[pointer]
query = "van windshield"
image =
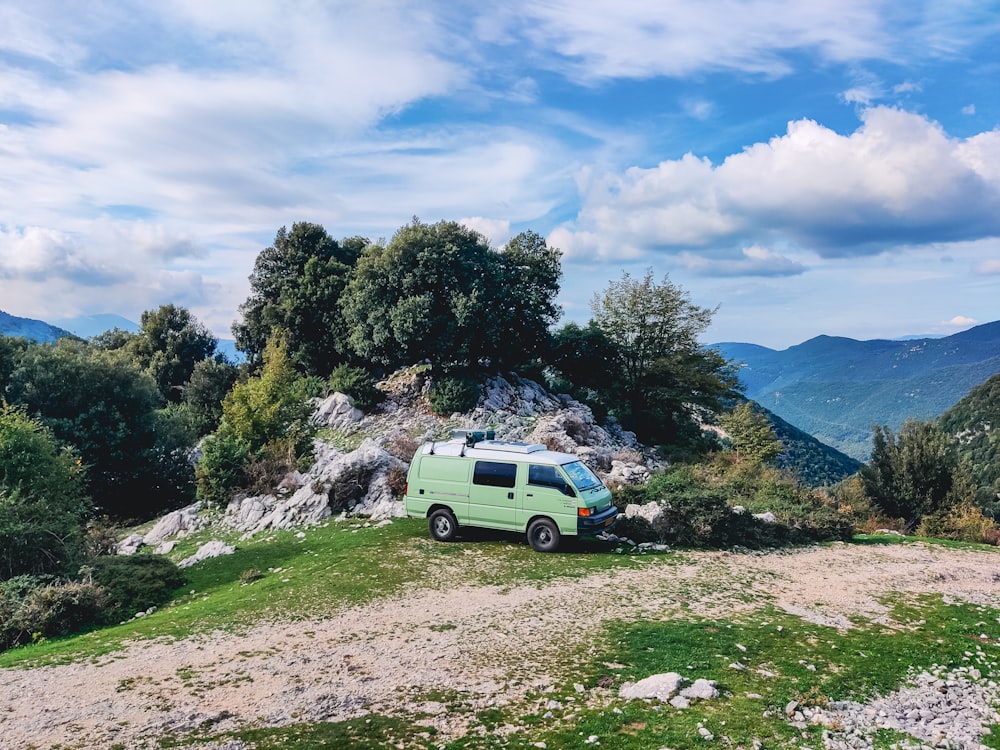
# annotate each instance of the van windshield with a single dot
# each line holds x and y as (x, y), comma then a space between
(581, 475)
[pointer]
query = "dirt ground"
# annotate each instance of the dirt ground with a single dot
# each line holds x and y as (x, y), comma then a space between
(388, 656)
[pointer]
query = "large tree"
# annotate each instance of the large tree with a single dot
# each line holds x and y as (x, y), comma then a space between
(439, 292)
(911, 475)
(102, 404)
(170, 342)
(296, 286)
(663, 375)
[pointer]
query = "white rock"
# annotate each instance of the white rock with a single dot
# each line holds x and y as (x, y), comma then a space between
(701, 689)
(214, 548)
(659, 686)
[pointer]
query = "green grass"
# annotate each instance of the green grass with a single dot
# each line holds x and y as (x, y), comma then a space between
(800, 661)
(278, 575)
(343, 564)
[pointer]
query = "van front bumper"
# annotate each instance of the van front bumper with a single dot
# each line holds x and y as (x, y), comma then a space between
(595, 524)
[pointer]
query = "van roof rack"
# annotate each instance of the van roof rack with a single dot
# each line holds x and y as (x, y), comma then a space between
(513, 447)
(471, 437)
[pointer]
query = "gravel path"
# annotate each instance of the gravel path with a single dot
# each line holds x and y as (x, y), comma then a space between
(385, 656)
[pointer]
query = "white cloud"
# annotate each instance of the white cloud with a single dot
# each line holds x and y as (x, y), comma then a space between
(860, 95)
(898, 179)
(960, 321)
(497, 231)
(633, 38)
(969, 109)
(756, 261)
(989, 267)
(907, 87)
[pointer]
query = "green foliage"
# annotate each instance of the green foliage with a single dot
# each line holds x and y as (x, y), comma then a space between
(42, 499)
(99, 402)
(223, 466)
(169, 345)
(910, 476)
(973, 424)
(32, 608)
(438, 292)
(357, 383)
(814, 463)
(452, 394)
(751, 433)
(265, 428)
(296, 287)
(135, 583)
(641, 357)
(211, 380)
(698, 501)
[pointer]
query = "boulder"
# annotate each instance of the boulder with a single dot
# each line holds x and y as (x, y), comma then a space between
(215, 548)
(337, 411)
(660, 686)
(702, 689)
(649, 511)
(177, 523)
(129, 545)
(356, 482)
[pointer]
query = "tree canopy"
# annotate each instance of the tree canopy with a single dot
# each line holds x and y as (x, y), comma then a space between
(439, 292)
(651, 370)
(296, 287)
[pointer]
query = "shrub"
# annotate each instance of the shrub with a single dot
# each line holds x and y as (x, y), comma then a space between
(135, 582)
(222, 468)
(452, 394)
(33, 607)
(401, 445)
(396, 479)
(963, 522)
(356, 383)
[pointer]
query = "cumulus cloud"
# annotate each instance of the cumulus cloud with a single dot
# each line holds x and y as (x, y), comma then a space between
(497, 231)
(897, 179)
(960, 321)
(37, 254)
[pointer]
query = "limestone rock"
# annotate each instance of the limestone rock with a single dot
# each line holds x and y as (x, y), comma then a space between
(129, 545)
(215, 548)
(702, 689)
(337, 411)
(178, 523)
(649, 511)
(660, 686)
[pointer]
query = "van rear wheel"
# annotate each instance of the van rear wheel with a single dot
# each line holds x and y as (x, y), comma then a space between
(543, 535)
(443, 525)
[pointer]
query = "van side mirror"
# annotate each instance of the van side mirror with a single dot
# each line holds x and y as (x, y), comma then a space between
(567, 490)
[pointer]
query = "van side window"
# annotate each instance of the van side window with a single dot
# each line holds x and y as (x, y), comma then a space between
(545, 476)
(494, 474)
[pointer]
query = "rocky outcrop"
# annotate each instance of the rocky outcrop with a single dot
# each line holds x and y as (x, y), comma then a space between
(368, 479)
(355, 482)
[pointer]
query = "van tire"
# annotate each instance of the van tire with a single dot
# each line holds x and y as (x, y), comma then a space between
(543, 535)
(443, 525)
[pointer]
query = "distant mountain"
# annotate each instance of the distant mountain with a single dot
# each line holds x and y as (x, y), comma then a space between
(88, 326)
(35, 330)
(837, 388)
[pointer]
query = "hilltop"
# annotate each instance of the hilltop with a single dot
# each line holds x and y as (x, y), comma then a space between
(28, 328)
(836, 388)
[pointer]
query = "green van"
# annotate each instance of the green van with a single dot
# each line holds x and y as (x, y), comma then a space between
(492, 484)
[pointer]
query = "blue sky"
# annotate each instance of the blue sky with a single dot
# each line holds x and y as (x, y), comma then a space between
(821, 167)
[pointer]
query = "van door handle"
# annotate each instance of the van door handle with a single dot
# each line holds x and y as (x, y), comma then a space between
(510, 495)
(528, 494)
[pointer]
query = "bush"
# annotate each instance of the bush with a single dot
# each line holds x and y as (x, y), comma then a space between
(453, 394)
(396, 479)
(34, 607)
(135, 583)
(963, 522)
(222, 468)
(356, 383)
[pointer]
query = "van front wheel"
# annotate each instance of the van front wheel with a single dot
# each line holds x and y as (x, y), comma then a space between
(543, 535)
(443, 525)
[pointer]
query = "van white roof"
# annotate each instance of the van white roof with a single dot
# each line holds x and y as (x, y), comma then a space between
(500, 450)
